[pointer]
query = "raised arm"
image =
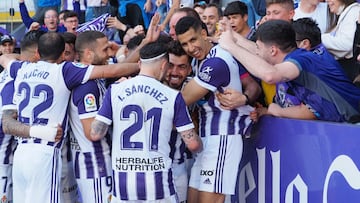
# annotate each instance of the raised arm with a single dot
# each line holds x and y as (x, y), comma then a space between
(27, 20)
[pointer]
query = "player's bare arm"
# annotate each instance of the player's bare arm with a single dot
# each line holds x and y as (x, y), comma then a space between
(98, 130)
(12, 126)
(192, 140)
(114, 70)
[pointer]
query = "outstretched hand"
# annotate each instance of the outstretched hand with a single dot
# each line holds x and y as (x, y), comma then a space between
(153, 32)
(226, 39)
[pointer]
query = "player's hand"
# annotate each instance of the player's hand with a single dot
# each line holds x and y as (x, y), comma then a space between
(231, 99)
(258, 112)
(52, 133)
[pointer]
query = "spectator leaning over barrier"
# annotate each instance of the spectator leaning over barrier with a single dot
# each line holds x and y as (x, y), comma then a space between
(307, 87)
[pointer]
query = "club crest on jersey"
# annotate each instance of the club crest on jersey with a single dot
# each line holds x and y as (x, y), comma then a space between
(90, 103)
(205, 73)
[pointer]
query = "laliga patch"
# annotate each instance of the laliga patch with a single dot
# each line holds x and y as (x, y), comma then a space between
(90, 103)
(79, 65)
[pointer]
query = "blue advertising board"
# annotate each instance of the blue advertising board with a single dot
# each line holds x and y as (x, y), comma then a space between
(287, 160)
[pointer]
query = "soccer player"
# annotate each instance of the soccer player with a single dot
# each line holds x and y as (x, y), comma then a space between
(143, 112)
(42, 92)
(91, 160)
(212, 175)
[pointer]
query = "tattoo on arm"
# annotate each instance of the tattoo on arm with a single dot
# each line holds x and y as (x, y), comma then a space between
(98, 130)
(12, 126)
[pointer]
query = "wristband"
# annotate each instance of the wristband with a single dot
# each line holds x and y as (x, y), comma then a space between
(43, 132)
(247, 99)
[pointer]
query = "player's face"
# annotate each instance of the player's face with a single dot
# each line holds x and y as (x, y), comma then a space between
(210, 18)
(51, 19)
(69, 52)
(179, 69)
(172, 23)
(7, 48)
(101, 56)
(194, 43)
(238, 23)
(279, 12)
(71, 24)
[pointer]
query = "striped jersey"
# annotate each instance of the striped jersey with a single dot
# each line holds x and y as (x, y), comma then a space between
(91, 159)
(42, 92)
(143, 112)
(218, 71)
(7, 142)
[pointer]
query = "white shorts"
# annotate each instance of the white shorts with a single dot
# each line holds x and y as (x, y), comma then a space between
(6, 190)
(69, 187)
(95, 190)
(216, 167)
(181, 180)
(36, 173)
(171, 199)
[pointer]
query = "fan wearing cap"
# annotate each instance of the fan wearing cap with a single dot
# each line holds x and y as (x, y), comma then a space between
(7, 44)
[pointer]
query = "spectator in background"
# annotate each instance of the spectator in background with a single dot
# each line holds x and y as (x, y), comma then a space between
(340, 38)
(199, 7)
(95, 8)
(71, 21)
(180, 13)
(211, 16)
(279, 9)
(237, 13)
(316, 10)
(7, 44)
(69, 52)
(307, 86)
(42, 6)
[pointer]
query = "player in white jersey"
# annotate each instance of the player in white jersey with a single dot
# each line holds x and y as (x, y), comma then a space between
(91, 160)
(212, 175)
(143, 112)
(42, 92)
(7, 146)
(177, 75)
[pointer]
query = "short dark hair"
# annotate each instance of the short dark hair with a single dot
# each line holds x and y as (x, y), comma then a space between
(51, 45)
(70, 14)
(307, 28)
(154, 49)
(87, 39)
(218, 8)
(277, 32)
(31, 39)
(189, 12)
(236, 7)
(174, 47)
(70, 38)
(187, 22)
(135, 41)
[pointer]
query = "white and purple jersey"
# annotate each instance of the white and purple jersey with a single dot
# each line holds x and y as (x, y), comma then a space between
(143, 112)
(91, 159)
(42, 92)
(218, 71)
(7, 143)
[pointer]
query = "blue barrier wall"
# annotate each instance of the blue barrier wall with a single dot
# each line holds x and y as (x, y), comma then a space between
(288, 160)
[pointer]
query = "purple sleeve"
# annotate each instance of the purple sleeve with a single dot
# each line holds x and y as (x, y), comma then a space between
(74, 74)
(14, 67)
(7, 93)
(182, 116)
(106, 107)
(215, 72)
(86, 97)
(27, 20)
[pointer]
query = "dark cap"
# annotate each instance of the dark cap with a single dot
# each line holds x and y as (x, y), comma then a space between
(236, 7)
(6, 38)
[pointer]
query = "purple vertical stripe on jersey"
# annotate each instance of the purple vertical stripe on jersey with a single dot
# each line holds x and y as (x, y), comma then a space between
(2, 135)
(231, 123)
(215, 125)
(37, 140)
(202, 121)
(141, 186)
(172, 143)
(54, 183)
(159, 186)
(242, 124)
(122, 186)
(182, 148)
(171, 182)
(88, 161)
(100, 159)
(9, 150)
(76, 165)
(113, 183)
